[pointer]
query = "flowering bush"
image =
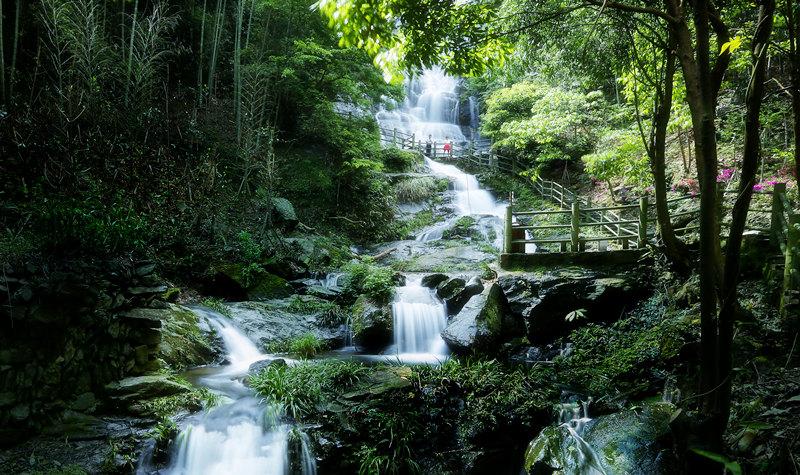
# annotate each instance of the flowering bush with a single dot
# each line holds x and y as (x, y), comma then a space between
(687, 185)
(725, 175)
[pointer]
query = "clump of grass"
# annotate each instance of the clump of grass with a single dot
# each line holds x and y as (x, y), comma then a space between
(304, 346)
(299, 389)
(417, 190)
(216, 305)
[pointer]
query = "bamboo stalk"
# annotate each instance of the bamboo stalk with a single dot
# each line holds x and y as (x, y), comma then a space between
(237, 71)
(130, 48)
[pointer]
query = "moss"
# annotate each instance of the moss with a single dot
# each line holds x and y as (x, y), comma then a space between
(182, 343)
(171, 294)
(269, 286)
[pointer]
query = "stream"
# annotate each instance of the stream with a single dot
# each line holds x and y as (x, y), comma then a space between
(245, 436)
(241, 436)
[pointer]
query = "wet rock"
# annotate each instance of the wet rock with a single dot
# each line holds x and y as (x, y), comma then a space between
(371, 324)
(483, 324)
(457, 301)
(279, 320)
(449, 288)
(545, 300)
(380, 382)
(140, 388)
(433, 280)
(633, 442)
(260, 366)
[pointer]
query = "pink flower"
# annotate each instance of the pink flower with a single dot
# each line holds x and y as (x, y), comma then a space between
(758, 187)
(725, 175)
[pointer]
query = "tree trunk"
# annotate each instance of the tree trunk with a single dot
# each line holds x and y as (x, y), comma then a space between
(792, 26)
(673, 247)
(750, 161)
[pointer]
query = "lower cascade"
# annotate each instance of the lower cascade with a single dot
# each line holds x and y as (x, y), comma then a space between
(243, 436)
(418, 319)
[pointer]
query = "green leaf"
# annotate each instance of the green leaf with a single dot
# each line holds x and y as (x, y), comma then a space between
(730, 465)
(731, 45)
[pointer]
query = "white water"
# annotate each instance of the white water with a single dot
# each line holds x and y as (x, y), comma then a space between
(574, 418)
(243, 436)
(429, 110)
(418, 319)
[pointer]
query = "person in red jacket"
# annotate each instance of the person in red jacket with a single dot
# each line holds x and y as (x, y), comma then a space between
(448, 147)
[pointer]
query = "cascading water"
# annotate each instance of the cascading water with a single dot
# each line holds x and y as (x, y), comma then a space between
(431, 110)
(574, 418)
(243, 436)
(418, 319)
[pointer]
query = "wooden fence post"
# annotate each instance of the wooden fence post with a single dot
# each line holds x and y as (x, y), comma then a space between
(508, 229)
(642, 221)
(575, 226)
(394, 137)
(790, 297)
(778, 195)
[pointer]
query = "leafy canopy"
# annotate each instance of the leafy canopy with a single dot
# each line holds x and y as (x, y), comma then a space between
(543, 122)
(462, 37)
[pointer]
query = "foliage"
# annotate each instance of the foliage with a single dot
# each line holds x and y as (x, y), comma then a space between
(542, 122)
(396, 160)
(400, 35)
(363, 277)
(620, 156)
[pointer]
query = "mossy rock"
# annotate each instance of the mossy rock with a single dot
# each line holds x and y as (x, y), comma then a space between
(256, 284)
(632, 441)
(183, 343)
(371, 324)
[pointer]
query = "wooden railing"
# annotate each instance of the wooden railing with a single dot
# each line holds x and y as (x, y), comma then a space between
(475, 152)
(628, 226)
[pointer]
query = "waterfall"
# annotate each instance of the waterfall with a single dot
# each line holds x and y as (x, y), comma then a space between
(418, 319)
(574, 418)
(243, 436)
(430, 108)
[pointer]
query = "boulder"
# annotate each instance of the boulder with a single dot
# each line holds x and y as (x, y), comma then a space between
(283, 214)
(371, 324)
(545, 300)
(433, 280)
(456, 302)
(483, 324)
(139, 388)
(278, 320)
(633, 442)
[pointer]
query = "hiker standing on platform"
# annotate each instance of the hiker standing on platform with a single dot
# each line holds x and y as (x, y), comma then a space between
(428, 145)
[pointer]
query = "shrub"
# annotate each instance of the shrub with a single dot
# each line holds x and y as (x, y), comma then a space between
(397, 160)
(376, 282)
